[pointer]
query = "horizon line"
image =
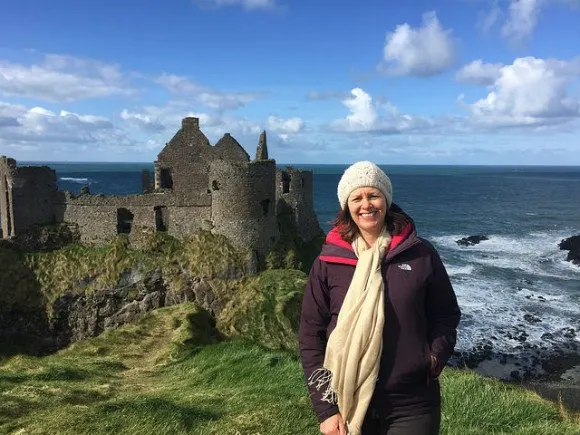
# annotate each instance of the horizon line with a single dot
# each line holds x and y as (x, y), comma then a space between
(319, 164)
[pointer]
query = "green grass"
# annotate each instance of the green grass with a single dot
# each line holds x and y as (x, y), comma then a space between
(37, 279)
(169, 374)
(266, 309)
(30, 280)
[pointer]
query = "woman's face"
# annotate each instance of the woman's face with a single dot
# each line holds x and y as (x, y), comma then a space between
(368, 209)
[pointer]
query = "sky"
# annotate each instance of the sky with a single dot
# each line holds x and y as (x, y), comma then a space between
(485, 82)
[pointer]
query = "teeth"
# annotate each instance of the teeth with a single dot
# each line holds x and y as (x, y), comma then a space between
(368, 214)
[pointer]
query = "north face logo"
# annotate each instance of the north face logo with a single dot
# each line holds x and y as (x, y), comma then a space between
(405, 266)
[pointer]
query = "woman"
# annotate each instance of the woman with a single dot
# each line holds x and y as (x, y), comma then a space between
(379, 317)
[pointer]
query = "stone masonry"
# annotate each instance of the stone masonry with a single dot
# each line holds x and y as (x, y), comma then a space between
(196, 186)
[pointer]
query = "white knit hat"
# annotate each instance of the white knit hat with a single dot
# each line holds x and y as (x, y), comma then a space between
(364, 174)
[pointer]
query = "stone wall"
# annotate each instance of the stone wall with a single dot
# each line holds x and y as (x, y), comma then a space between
(98, 216)
(96, 224)
(33, 191)
(243, 204)
(294, 189)
(185, 221)
(7, 167)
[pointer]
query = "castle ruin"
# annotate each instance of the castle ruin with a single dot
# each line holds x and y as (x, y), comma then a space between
(196, 186)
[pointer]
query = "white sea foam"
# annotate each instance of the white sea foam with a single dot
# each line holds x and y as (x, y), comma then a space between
(535, 253)
(495, 307)
(536, 296)
(75, 180)
(567, 266)
(454, 270)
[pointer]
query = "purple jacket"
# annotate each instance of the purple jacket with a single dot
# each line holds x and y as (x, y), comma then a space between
(421, 318)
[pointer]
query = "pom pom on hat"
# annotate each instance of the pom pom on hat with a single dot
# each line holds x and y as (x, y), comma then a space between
(364, 174)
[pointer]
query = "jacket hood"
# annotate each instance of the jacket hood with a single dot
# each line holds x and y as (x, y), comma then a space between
(338, 250)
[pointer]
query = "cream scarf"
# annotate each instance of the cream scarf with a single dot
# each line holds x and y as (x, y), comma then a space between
(353, 351)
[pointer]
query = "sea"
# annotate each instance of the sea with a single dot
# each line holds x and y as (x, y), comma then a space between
(520, 298)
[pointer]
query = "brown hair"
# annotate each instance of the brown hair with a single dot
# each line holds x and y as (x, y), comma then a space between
(395, 220)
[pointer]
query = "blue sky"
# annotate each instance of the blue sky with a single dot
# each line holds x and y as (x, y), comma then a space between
(439, 82)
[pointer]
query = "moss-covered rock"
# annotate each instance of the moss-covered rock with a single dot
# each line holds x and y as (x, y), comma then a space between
(47, 237)
(291, 252)
(83, 290)
(266, 309)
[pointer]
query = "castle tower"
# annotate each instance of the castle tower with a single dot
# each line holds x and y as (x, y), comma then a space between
(182, 166)
(26, 196)
(262, 151)
(228, 148)
(294, 191)
(7, 167)
(244, 203)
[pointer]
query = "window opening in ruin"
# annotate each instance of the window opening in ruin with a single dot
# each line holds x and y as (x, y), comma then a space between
(161, 218)
(215, 185)
(265, 206)
(124, 221)
(302, 183)
(166, 178)
(285, 182)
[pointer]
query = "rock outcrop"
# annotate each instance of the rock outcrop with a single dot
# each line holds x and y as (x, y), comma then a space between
(471, 240)
(78, 314)
(572, 245)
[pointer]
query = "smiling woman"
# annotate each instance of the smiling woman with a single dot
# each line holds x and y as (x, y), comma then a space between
(379, 317)
(368, 208)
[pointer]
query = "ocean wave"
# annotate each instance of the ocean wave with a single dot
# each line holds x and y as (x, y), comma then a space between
(455, 270)
(76, 180)
(537, 296)
(496, 309)
(536, 253)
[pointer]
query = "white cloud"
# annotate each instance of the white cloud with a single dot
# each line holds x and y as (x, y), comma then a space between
(142, 121)
(285, 126)
(530, 92)
(522, 20)
(422, 52)
(246, 4)
(62, 79)
(166, 120)
(183, 87)
(363, 112)
(39, 130)
(38, 124)
(325, 95)
(479, 73)
(366, 116)
(489, 19)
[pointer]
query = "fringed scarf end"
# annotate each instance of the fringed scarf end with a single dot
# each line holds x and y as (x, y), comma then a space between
(321, 378)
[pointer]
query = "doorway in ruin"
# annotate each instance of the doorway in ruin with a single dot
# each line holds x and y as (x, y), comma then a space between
(124, 221)
(285, 182)
(161, 218)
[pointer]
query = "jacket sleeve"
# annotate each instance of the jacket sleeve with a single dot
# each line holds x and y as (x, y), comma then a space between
(314, 320)
(443, 314)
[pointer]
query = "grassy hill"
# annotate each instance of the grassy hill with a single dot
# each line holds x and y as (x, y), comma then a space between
(170, 373)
